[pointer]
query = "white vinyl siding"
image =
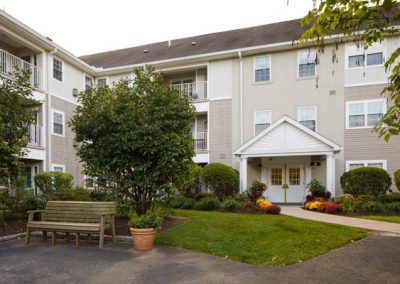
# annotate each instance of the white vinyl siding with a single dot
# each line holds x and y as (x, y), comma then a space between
(351, 165)
(58, 123)
(262, 119)
(307, 62)
(57, 69)
(307, 116)
(262, 69)
(364, 114)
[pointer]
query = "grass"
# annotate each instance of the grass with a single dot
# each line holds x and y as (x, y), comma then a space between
(257, 239)
(391, 219)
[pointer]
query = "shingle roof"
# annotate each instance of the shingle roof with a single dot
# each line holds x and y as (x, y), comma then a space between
(214, 42)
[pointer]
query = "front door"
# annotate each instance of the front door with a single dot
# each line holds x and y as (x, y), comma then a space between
(285, 183)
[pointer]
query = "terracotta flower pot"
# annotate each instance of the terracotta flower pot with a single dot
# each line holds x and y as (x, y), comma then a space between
(143, 239)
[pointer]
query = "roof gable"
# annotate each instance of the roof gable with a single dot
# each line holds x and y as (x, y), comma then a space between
(287, 136)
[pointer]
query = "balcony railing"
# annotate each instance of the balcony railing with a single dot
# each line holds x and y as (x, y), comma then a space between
(200, 141)
(35, 135)
(196, 91)
(9, 64)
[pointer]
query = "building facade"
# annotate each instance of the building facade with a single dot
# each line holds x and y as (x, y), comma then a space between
(264, 106)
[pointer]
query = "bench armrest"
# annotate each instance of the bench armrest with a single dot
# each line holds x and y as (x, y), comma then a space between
(35, 211)
(32, 212)
(107, 214)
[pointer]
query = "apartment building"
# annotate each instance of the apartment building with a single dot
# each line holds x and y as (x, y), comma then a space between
(263, 105)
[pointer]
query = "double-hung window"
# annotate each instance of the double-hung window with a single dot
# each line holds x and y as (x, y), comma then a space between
(364, 114)
(262, 69)
(358, 57)
(57, 69)
(58, 168)
(262, 119)
(307, 116)
(351, 165)
(102, 82)
(307, 61)
(58, 123)
(88, 83)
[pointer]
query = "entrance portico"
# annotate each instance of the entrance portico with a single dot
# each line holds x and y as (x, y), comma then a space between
(286, 156)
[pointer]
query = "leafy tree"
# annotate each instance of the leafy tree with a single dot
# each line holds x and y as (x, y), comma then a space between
(137, 134)
(367, 22)
(16, 116)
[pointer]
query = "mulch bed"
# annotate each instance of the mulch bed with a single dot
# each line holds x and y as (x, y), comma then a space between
(12, 227)
(363, 213)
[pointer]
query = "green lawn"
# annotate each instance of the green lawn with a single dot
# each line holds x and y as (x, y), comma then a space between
(391, 219)
(257, 239)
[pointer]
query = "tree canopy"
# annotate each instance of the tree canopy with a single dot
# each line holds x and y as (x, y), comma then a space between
(137, 134)
(16, 115)
(365, 22)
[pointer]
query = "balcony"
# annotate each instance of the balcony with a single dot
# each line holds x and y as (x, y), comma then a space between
(10, 63)
(196, 91)
(35, 136)
(200, 141)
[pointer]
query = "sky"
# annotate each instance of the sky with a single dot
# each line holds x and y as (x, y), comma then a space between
(91, 26)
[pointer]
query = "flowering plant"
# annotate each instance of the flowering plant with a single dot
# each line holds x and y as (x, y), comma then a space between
(262, 203)
(256, 190)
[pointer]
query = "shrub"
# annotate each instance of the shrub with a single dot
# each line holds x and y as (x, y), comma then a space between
(395, 206)
(53, 181)
(321, 206)
(181, 202)
(123, 206)
(316, 188)
(396, 176)
(230, 204)
(343, 197)
(272, 209)
(201, 195)
(333, 208)
(346, 200)
(371, 206)
(190, 185)
(389, 198)
(221, 179)
(366, 180)
(207, 203)
(75, 194)
(262, 203)
(101, 194)
(256, 190)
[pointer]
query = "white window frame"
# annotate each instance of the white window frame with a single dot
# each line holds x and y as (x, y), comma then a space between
(366, 162)
(84, 81)
(315, 112)
(365, 102)
(62, 70)
(101, 78)
(375, 48)
(52, 122)
(53, 166)
(298, 64)
(254, 119)
(254, 69)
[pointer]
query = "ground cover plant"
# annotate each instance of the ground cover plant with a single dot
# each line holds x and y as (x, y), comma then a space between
(257, 239)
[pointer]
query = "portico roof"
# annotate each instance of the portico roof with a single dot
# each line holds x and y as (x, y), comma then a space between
(287, 137)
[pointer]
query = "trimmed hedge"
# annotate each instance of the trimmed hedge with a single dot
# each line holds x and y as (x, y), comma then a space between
(366, 181)
(390, 198)
(396, 176)
(221, 179)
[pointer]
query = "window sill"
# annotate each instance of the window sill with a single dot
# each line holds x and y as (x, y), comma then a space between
(306, 78)
(59, 135)
(262, 83)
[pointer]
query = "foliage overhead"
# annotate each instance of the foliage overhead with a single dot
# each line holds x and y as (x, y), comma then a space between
(137, 134)
(16, 115)
(365, 22)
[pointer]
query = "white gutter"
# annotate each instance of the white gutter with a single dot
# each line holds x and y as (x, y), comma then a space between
(49, 119)
(241, 96)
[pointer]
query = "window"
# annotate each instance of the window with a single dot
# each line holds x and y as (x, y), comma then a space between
(364, 114)
(358, 57)
(102, 82)
(294, 176)
(58, 168)
(307, 116)
(262, 68)
(307, 63)
(88, 83)
(351, 165)
(262, 119)
(58, 123)
(57, 69)
(276, 176)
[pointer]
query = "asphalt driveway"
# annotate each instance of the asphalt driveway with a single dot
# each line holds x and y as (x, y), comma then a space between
(374, 259)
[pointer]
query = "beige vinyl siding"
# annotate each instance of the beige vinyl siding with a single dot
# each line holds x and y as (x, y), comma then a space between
(220, 77)
(220, 131)
(62, 150)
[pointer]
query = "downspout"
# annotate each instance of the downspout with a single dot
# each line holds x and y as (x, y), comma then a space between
(49, 109)
(241, 96)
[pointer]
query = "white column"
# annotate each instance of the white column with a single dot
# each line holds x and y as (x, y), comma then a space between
(330, 174)
(243, 174)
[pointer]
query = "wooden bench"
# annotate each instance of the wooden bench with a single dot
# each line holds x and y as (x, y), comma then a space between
(77, 217)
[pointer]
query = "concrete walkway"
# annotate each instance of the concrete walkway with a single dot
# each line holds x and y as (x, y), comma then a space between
(298, 212)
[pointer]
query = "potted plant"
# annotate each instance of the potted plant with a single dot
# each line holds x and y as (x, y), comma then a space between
(143, 230)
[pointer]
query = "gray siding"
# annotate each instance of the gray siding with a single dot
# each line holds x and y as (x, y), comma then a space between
(220, 131)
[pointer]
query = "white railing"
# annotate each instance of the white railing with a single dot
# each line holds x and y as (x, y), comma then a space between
(35, 135)
(196, 91)
(9, 63)
(200, 141)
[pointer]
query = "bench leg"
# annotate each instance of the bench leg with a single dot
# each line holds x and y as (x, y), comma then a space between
(44, 234)
(66, 236)
(113, 229)
(101, 240)
(28, 236)
(54, 238)
(89, 237)
(77, 239)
